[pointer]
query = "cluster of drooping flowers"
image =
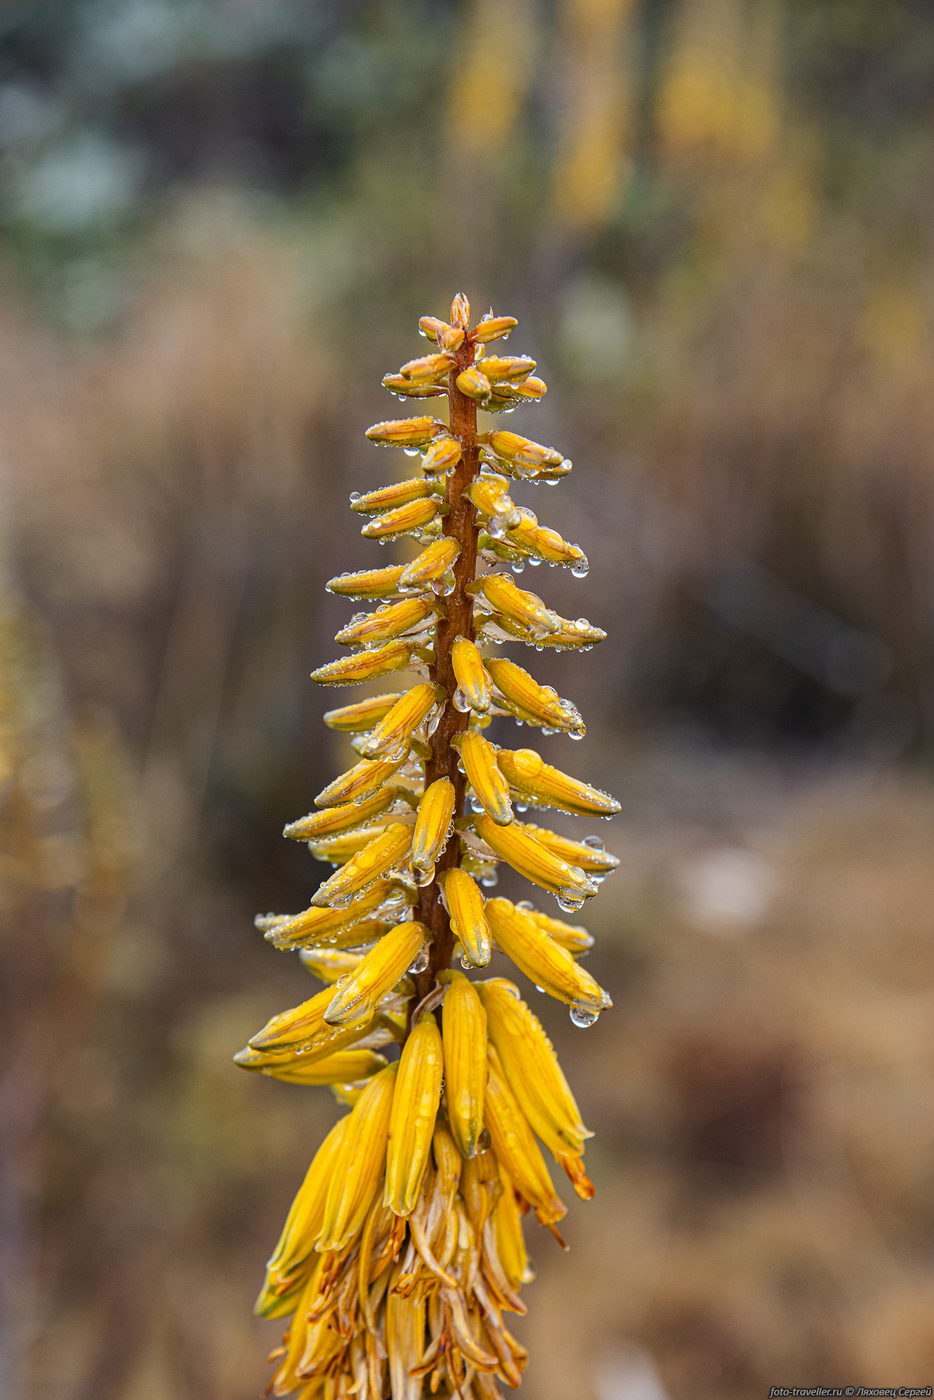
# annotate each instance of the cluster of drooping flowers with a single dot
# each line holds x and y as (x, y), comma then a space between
(404, 1246)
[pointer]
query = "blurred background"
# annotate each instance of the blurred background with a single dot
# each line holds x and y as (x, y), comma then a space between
(219, 222)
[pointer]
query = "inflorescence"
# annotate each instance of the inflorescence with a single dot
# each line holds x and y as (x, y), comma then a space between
(404, 1246)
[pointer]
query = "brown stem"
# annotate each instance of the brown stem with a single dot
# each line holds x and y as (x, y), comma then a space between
(459, 524)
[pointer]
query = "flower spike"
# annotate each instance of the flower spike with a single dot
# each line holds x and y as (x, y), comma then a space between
(404, 1247)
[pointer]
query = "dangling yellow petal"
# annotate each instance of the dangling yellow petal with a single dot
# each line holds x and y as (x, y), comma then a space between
(433, 562)
(357, 1170)
(531, 1067)
(358, 782)
(327, 926)
(463, 1025)
(344, 1067)
(592, 857)
(515, 1147)
(406, 432)
(492, 328)
(401, 521)
(414, 1108)
(527, 609)
(362, 715)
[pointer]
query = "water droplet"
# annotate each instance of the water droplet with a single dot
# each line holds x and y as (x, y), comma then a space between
(466, 964)
(583, 1016)
(570, 901)
(421, 962)
(594, 842)
(534, 563)
(489, 879)
(355, 495)
(460, 701)
(411, 451)
(538, 988)
(525, 905)
(581, 569)
(576, 733)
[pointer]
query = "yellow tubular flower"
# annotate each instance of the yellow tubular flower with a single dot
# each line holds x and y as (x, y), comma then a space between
(345, 1067)
(357, 1169)
(592, 858)
(358, 782)
(378, 973)
(368, 583)
(401, 521)
(414, 1108)
(325, 926)
(530, 776)
(515, 1147)
(333, 821)
(351, 670)
(472, 679)
(490, 787)
(538, 701)
(398, 494)
(387, 622)
(531, 859)
(403, 1249)
(391, 736)
(432, 825)
(463, 1025)
(430, 565)
(530, 1065)
(571, 936)
(542, 960)
(465, 910)
(362, 715)
(527, 609)
(380, 855)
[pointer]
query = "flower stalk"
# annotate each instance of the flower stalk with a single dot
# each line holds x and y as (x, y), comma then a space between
(404, 1247)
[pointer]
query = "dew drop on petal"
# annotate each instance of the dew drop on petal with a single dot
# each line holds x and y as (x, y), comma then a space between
(583, 1016)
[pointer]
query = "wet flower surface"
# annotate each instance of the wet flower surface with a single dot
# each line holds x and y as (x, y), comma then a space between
(404, 1249)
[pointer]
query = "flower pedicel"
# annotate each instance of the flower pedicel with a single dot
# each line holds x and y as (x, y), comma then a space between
(403, 1250)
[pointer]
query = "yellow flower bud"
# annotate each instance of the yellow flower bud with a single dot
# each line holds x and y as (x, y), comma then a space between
(346, 816)
(367, 666)
(316, 926)
(539, 702)
(471, 677)
(474, 384)
(362, 714)
(428, 367)
(547, 545)
(412, 388)
(406, 432)
(463, 1025)
(305, 1026)
(344, 1067)
(414, 1108)
(533, 860)
(387, 622)
(444, 453)
(368, 583)
(526, 608)
(391, 737)
(303, 1224)
(498, 368)
(460, 312)
(570, 936)
(531, 777)
(432, 824)
(359, 782)
(592, 859)
(543, 960)
(398, 494)
(488, 493)
(403, 520)
(431, 564)
(493, 328)
(490, 787)
(387, 851)
(465, 910)
(521, 451)
(377, 974)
